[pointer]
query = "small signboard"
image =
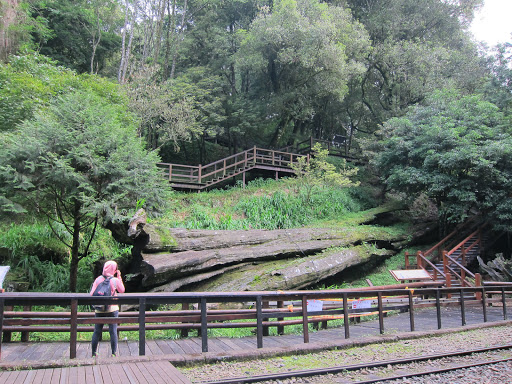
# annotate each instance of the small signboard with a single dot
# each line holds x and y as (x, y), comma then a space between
(410, 274)
(3, 273)
(315, 305)
(356, 304)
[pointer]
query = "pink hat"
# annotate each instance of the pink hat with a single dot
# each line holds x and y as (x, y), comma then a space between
(109, 268)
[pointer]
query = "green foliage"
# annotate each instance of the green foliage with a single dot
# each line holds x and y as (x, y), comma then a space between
(266, 204)
(317, 172)
(41, 261)
(31, 82)
(79, 163)
(456, 150)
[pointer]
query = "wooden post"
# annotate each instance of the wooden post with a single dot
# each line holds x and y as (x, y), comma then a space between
(406, 260)
(462, 307)
(438, 308)
(25, 336)
(184, 331)
(478, 283)
(142, 326)
(448, 284)
(445, 262)
(419, 263)
(73, 329)
(280, 328)
(484, 303)
(2, 306)
(170, 172)
(204, 326)
(381, 313)
(259, 322)
(346, 320)
(265, 304)
(411, 310)
(199, 171)
(305, 327)
(504, 303)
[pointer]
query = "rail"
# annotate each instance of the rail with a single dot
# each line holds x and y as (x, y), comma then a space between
(267, 309)
(204, 175)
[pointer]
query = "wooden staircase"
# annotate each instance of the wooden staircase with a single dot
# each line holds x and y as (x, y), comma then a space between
(204, 176)
(447, 261)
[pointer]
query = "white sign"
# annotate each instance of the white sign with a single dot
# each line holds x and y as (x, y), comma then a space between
(361, 304)
(315, 305)
(3, 272)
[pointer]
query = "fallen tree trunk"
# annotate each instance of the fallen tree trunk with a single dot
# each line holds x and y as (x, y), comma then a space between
(173, 258)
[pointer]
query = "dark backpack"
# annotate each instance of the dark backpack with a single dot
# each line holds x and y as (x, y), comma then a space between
(103, 289)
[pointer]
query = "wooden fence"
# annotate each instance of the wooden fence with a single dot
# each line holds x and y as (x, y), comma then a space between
(265, 309)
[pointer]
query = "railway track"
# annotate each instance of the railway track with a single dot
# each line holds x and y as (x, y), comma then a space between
(381, 364)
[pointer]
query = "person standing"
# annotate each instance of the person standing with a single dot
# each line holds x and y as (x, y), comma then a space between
(116, 285)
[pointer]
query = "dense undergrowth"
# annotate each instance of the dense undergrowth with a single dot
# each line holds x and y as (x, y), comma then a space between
(40, 262)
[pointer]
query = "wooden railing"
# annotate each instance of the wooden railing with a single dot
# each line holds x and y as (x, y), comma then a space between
(451, 265)
(265, 309)
(203, 175)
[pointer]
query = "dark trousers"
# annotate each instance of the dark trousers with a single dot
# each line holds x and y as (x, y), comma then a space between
(112, 329)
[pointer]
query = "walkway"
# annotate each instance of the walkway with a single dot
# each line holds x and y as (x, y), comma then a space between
(55, 354)
(158, 372)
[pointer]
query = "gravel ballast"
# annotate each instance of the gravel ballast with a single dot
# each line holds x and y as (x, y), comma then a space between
(439, 344)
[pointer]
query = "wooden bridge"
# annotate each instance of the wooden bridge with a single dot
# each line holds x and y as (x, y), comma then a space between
(201, 177)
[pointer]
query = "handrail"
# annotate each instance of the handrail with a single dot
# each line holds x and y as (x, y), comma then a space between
(203, 174)
(434, 267)
(203, 318)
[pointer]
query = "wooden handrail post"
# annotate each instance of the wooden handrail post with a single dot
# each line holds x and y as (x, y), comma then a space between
(73, 329)
(254, 155)
(184, 331)
(448, 284)
(199, 170)
(2, 307)
(305, 327)
(142, 326)
(406, 260)
(25, 336)
(204, 326)
(419, 262)
(478, 283)
(280, 328)
(445, 263)
(259, 322)
(224, 169)
(265, 305)
(170, 172)
(381, 313)
(411, 310)
(346, 321)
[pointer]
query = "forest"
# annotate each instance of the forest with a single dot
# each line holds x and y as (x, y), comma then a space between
(93, 94)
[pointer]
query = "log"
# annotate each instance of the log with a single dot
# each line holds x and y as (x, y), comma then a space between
(215, 249)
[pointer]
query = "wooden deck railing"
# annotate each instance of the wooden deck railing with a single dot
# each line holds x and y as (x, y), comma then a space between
(202, 175)
(267, 309)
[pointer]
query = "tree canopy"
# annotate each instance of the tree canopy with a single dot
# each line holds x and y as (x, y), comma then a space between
(455, 149)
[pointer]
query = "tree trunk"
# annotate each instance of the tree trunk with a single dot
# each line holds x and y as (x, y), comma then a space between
(75, 248)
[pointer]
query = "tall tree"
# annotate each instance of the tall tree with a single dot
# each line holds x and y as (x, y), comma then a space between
(298, 52)
(456, 150)
(79, 164)
(418, 46)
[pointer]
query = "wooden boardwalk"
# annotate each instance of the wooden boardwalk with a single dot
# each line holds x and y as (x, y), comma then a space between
(146, 372)
(156, 367)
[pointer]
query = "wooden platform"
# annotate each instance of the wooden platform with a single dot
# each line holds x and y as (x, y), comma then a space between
(148, 372)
